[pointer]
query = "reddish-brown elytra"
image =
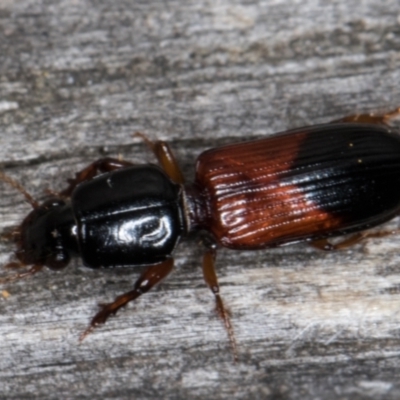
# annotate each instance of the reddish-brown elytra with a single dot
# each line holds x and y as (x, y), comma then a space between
(306, 184)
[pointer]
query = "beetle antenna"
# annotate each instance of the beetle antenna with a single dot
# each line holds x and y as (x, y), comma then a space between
(16, 185)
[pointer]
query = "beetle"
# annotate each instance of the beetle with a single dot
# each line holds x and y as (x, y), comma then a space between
(307, 184)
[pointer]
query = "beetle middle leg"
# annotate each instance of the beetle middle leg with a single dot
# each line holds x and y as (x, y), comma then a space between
(370, 118)
(165, 157)
(211, 279)
(149, 278)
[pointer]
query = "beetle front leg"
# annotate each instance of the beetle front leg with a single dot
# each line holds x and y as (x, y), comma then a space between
(211, 279)
(106, 164)
(370, 118)
(149, 278)
(165, 157)
(21, 275)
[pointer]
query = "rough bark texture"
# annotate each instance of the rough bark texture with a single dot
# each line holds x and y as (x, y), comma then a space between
(77, 78)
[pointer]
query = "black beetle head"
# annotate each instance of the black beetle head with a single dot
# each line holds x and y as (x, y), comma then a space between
(41, 237)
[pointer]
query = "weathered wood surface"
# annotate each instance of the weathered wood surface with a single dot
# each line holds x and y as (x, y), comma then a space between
(77, 77)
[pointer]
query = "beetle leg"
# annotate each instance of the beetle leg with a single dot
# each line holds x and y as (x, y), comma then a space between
(150, 277)
(9, 234)
(324, 244)
(31, 271)
(370, 118)
(99, 166)
(16, 185)
(165, 157)
(212, 281)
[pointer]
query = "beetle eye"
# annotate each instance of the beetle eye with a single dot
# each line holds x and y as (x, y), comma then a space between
(51, 203)
(58, 260)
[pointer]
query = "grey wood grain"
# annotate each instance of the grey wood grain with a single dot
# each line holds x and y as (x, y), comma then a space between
(76, 79)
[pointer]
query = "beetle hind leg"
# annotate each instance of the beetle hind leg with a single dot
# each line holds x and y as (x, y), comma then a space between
(326, 245)
(149, 278)
(371, 118)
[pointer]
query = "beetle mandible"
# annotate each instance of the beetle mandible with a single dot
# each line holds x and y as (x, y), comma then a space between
(306, 184)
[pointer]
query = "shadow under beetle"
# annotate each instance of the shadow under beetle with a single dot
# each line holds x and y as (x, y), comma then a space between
(306, 184)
